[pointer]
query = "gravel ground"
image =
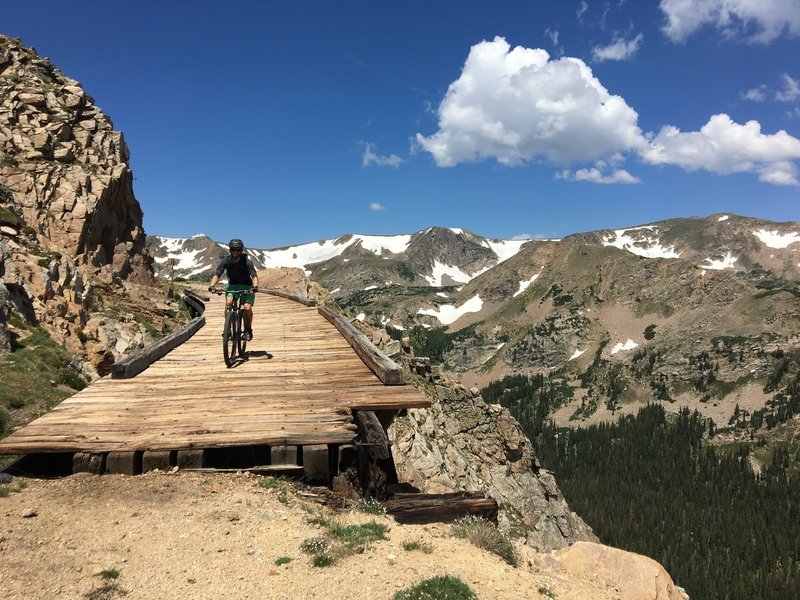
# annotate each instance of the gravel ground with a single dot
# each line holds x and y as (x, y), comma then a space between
(199, 536)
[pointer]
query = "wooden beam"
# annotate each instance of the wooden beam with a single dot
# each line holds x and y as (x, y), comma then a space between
(440, 508)
(136, 362)
(288, 296)
(388, 371)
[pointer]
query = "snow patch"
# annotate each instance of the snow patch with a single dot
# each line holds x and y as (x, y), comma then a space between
(186, 260)
(449, 313)
(505, 249)
(370, 287)
(629, 345)
(523, 285)
(723, 218)
(647, 246)
(775, 239)
(378, 244)
(576, 354)
(442, 295)
(361, 317)
(441, 269)
(727, 262)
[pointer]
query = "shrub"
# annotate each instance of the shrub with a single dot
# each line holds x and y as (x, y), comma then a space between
(315, 545)
(371, 506)
(444, 586)
(486, 536)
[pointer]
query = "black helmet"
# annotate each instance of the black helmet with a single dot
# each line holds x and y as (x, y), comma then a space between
(236, 244)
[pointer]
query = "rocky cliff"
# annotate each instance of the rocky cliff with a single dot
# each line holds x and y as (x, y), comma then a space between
(463, 444)
(71, 236)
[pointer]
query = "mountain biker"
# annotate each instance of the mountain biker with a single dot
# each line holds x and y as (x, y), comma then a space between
(241, 276)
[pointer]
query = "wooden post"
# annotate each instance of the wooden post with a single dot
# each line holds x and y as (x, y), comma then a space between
(375, 464)
(333, 462)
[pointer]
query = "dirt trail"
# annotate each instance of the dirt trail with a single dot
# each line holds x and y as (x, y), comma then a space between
(198, 536)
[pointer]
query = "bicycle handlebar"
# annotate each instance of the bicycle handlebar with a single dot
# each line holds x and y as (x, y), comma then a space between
(220, 292)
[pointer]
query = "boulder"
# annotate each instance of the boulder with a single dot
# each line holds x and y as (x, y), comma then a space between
(636, 577)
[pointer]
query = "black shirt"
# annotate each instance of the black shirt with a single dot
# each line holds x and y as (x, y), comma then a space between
(241, 272)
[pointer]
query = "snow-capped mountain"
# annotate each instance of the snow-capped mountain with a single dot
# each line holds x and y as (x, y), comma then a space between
(434, 257)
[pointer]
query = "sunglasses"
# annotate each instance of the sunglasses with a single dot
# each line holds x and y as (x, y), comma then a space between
(236, 251)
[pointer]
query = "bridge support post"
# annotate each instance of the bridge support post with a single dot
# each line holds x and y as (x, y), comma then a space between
(376, 467)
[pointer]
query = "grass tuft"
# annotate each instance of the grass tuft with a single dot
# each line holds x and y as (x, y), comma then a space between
(486, 536)
(546, 592)
(340, 540)
(108, 574)
(355, 536)
(11, 488)
(415, 545)
(437, 588)
(283, 560)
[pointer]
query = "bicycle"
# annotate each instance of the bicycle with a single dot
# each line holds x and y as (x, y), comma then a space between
(233, 339)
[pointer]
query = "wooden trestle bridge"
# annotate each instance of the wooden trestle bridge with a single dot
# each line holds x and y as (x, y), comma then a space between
(303, 384)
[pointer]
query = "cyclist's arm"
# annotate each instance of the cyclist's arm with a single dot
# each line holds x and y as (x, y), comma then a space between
(223, 264)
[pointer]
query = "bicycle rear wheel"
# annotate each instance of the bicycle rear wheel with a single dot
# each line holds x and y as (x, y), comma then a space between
(240, 334)
(229, 337)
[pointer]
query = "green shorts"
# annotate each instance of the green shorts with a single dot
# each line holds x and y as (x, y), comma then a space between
(245, 298)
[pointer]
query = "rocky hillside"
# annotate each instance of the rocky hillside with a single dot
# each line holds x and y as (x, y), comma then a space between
(696, 312)
(72, 246)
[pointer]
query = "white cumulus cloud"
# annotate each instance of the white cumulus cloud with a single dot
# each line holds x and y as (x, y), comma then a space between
(517, 105)
(619, 49)
(377, 207)
(370, 157)
(723, 146)
(514, 105)
(760, 21)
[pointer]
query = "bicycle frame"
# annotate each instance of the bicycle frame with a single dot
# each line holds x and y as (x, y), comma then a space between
(233, 340)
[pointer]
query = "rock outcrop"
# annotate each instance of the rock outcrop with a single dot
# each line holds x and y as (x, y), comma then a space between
(67, 169)
(463, 444)
(293, 281)
(70, 224)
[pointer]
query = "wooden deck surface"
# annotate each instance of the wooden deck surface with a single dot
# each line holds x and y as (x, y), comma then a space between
(298, 387)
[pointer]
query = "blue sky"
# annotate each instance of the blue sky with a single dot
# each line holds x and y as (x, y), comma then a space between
(287, 122)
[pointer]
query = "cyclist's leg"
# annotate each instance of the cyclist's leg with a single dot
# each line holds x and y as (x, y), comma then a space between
(247, 310)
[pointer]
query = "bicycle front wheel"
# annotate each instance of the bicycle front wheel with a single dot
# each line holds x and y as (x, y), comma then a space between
(229, 338)
(240, 335)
